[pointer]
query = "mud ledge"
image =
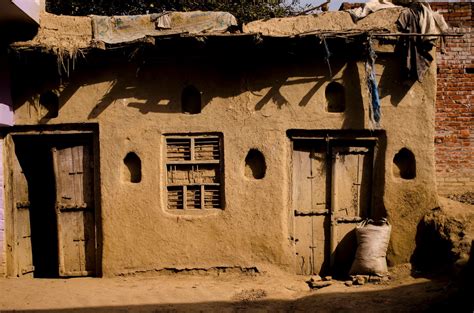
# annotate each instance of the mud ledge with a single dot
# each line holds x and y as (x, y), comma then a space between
(210, 271)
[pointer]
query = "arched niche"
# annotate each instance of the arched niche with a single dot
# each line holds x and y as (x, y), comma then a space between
(255, 165)
(404, 164)
(191, 100)
(132, 168)
(335, 97)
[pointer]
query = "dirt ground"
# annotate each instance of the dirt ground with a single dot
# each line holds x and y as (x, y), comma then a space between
(271, 290)
(228, 293)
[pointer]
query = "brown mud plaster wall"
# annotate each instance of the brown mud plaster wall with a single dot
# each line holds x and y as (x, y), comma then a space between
(251, 103)
(454, 102)
(454, 141)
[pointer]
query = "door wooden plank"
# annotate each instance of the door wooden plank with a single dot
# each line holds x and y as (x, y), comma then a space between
(318, 243)
(352, 187)
(64, 182)
(309, 202)
(318, 199)
(21, 206)
(318, 179)
(354, 168)
(77, 173)
(302, 185)
(302, 203)
(346, 245)
(348, 184)
(304, 261)
(71, 244)
(75, 210)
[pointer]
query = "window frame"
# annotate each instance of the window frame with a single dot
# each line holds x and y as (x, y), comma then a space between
(192, 161)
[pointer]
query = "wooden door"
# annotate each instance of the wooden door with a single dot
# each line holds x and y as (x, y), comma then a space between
(73, 169)
(21, 207)
(351, 195)
(352, 175)
(310, 208)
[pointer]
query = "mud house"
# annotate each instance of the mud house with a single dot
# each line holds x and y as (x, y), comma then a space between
(200, 149)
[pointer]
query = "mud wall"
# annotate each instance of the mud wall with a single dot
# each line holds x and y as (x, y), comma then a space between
(454, 142)
(252, 104)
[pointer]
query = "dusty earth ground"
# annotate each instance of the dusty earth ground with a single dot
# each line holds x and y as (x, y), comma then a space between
(231, 293)
(269, 291)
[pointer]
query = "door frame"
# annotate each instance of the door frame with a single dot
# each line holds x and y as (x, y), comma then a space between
(9, 135)
(378, 138)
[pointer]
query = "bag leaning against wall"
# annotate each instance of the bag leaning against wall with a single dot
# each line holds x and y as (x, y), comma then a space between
(372, 244)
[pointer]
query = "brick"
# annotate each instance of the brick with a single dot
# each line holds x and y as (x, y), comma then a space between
(454, 114)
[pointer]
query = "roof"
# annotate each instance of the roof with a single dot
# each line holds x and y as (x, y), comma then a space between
(326, 22)
(69, 34)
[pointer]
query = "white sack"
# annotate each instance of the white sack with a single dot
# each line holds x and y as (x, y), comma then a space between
(372, 244)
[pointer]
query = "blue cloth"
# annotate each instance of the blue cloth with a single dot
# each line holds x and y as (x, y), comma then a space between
(376, 112)
(375, 98)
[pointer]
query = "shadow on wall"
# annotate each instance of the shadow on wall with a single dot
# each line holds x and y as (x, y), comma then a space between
(277, 77)
(434, 255)
(421, 297)
(345, 255)
(379, 210)
(354, 116)
(436, 242)
(393, 83)
(159, 87)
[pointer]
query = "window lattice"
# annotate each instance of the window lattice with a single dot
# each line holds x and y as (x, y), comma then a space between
(194, 165)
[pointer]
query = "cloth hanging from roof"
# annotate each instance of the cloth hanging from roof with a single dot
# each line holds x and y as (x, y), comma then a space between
(376, 113)
(369, 7)
(420, 19)
(375, 108)
(120, 29)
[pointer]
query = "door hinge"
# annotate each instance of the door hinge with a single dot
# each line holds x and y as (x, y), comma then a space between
(72, 207)
(349, 219)
(311, 213)
(28, 269)
(23, 205)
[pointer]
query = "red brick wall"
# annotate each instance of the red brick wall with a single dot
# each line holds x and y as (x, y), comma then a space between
(454, 142)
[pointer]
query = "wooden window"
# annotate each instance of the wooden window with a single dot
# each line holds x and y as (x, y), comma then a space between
(194, 170)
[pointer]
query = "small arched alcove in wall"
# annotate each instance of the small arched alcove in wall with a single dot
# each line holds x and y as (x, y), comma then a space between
(255, 166)
(132, 168)
(49, 100)
(191, 100)
(404, 164)
(335, 97)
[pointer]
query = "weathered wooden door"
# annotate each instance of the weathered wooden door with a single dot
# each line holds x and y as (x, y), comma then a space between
(351, 195)
(352, 175)
(310, 208)
(73, 169)
(21, 214)
(332, 183)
